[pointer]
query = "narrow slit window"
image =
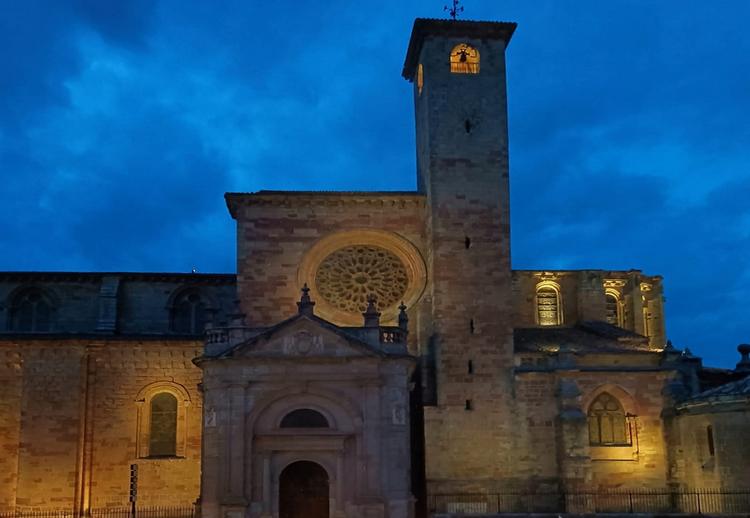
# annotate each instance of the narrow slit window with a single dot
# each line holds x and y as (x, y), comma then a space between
(710, 440)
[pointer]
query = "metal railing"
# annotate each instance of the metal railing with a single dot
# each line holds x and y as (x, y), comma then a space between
(184, 511)
(694, 501)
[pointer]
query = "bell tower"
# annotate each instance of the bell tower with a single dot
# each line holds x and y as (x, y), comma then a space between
(458, 72)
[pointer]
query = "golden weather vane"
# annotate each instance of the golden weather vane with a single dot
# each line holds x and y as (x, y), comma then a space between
(453, 11)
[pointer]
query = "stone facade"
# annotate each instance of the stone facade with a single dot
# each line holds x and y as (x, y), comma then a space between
(355, 380)
(73, 396)
(462, 377)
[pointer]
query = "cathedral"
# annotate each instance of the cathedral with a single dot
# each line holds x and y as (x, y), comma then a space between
(375, 356)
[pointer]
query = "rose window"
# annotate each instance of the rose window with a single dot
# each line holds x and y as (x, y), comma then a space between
(347, 276)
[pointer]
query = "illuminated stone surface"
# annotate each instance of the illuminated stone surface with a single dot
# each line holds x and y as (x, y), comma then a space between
(347, 276)
(505, 397)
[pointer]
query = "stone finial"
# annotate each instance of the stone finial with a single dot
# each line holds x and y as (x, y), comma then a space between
(403, 318)
(669, 347)
(744, 364)
(305, 304)
(371, 314)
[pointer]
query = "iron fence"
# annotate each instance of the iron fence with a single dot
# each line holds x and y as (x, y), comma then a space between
(126, 511)
(697, 501)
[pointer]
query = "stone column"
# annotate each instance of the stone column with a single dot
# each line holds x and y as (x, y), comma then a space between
(234, 499)
(574, 461)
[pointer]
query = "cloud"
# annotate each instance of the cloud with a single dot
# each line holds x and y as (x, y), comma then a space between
(121, 125)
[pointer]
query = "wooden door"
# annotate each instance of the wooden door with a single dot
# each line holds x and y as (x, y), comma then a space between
(303, 491)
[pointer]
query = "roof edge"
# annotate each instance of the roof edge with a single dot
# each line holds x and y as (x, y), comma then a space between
(425, 27)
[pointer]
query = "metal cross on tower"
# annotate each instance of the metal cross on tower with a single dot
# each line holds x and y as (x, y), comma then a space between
(453, 11)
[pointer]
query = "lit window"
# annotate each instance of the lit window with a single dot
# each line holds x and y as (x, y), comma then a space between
(30, 312)
(464, 59)
(420, 78)
(608, 425)
(304, 418)
(163, 430)
(548, 305)
(189, 314)
(613, 308)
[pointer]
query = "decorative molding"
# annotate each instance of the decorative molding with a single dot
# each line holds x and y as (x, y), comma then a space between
(303, 343)
(389, 199)
(399, 247)
(615, 283)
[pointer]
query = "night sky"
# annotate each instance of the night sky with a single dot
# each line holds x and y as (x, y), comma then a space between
(123, 123)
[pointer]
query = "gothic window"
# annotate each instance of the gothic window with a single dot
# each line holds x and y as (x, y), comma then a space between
(304, 418)
(30, 312)
(464, 59)
(420, 78)
(189, 313)
(548, 305)
(162, 440)
(608, 424)
(613, 308)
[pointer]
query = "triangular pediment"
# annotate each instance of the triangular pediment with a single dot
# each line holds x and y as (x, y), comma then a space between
(304, 337)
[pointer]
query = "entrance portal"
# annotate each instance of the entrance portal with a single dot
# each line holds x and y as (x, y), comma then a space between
(303, 491)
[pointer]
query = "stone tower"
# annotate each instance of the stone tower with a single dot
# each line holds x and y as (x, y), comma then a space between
(458, 71)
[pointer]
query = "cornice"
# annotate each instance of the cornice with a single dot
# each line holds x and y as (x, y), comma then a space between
(96, 277)
(294, 199)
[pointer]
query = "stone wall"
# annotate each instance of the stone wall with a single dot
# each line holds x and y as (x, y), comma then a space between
(10, 423)
(552, 407)
(583, 298)
(462, 164)
(70, 421)
(276, 230)
(126, 303)
(728, 466)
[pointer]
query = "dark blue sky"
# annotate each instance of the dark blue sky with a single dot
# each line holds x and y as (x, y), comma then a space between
(123, 123)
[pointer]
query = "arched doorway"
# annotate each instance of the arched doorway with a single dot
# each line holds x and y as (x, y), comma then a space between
(303, 491)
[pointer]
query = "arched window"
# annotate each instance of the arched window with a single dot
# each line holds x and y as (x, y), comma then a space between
(162, 441)
(464, 59)
(608, 425)
(189, 313)
(548, 304)
(304, 418)
(613, 308)
(30, 312)
(710, 440)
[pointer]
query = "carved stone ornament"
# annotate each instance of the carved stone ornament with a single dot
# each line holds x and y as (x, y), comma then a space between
(343, 268)
(615, 283)
(347, 276)
(303, 344)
